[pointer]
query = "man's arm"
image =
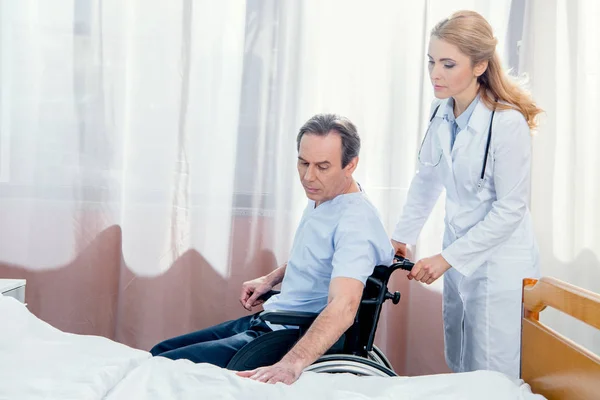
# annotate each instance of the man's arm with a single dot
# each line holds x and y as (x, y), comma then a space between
(252, 290)
(332, 322)
(276, 276)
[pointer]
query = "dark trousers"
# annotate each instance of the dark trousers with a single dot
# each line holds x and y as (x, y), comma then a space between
(215, 345)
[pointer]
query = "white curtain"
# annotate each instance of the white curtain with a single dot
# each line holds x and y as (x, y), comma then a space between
(561, 56)
(127, 109)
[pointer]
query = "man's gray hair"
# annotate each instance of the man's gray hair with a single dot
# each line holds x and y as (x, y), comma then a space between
(322, 124)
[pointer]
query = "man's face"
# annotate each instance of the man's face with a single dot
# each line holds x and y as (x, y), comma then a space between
(320, 167)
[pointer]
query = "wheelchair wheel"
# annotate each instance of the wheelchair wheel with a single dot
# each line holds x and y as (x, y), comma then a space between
(377, 355)
(264, 350)
(345, 363)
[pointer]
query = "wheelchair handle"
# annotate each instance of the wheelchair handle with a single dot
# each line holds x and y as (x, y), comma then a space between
(402, 263)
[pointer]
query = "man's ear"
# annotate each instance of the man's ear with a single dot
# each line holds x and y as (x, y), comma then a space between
(480, 68)
(351, 166)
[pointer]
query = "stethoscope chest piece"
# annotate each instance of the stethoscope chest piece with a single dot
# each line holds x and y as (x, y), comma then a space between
(481, 180)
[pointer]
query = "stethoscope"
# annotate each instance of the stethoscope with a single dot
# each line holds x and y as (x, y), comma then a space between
(487, 148)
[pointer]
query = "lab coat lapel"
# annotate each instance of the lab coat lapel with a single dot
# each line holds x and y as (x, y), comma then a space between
(478, 124)
(479, 121)
(443, 134)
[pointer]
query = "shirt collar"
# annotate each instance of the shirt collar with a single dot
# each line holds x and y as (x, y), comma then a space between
(463, 119)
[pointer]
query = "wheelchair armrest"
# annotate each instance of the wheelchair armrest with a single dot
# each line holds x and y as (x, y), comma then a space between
(294, 318)
(268, 295)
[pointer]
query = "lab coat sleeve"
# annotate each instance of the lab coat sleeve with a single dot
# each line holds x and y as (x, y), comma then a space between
(424, 191)
(512, 162)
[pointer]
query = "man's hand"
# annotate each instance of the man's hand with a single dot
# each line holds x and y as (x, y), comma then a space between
(280, 372)
(252, 290)
(401, 249)
(427, 270)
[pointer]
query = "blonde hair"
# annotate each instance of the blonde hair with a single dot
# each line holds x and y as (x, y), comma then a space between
(473, 36)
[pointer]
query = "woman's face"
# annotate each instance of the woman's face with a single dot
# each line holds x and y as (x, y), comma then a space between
(450, 71)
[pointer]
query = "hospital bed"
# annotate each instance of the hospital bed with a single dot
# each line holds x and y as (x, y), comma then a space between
(553, 365)
(38, 361)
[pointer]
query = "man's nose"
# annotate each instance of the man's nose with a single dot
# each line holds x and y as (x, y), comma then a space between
(309, 175)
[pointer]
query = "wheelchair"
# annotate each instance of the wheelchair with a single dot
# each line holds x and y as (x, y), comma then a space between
(353, 353)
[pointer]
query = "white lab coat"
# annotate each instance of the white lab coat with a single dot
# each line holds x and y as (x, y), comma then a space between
(488, 238)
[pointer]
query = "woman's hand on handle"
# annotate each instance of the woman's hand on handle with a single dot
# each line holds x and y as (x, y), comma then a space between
(427, 270)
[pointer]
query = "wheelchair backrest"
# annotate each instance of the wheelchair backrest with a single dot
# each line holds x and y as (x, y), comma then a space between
(360, 336)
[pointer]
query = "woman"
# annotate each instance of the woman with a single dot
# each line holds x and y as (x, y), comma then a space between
(478, 148)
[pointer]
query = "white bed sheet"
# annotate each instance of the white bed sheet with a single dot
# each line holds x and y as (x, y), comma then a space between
(160, 378)
(38, 361)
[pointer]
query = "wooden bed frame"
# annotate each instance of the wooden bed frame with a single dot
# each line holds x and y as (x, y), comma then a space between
(551, 364)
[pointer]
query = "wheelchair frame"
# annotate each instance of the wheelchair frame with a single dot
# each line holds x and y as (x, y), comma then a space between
(354, 352)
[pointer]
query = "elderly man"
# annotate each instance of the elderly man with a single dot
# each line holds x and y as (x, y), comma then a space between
(339, 241)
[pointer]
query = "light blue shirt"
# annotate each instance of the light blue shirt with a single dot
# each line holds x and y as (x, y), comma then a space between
(460, 123)
(342, 237)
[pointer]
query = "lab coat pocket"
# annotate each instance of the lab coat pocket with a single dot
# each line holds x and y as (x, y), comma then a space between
(477, 168)
(517, 250)
(468, 165)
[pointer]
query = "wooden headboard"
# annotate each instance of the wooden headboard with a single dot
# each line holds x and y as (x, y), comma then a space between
(551, 364)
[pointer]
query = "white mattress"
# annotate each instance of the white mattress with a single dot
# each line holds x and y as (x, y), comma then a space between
(38, 361)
